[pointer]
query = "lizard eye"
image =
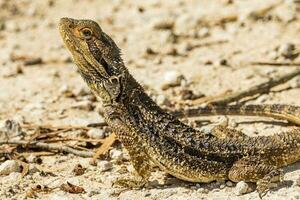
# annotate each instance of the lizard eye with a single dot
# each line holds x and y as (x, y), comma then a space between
(87, 33)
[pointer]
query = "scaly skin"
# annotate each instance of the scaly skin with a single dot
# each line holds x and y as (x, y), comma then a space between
(153, 136)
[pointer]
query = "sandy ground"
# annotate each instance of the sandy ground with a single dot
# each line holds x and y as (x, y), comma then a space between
(156, 38)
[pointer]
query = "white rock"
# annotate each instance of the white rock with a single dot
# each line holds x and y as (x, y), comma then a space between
(229, 183)
(287, 50)
(116, 155)
(171, 79)
(223, 121)
(204, 32)
(162, 100)
(63, 89)
(104, 165)
(186, 24)
(222, 186)
(232, 123)
(203, 190)
(241, 188)
(96, 133)
(9, 166)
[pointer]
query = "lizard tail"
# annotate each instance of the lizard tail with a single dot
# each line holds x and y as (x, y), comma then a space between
(277, 111)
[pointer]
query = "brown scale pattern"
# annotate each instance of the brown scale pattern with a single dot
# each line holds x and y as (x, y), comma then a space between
(153, 136)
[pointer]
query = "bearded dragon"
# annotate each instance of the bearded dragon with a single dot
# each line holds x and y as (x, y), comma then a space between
(155, 137)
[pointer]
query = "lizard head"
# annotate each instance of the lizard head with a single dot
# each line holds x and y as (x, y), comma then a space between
(96, 55)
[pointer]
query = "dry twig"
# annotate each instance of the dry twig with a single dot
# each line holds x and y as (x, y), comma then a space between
(49, 147)
(276, 63)
(104, 147)
(258, 89)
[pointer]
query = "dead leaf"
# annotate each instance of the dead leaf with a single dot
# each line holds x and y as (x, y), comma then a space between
(78, 170)
(68, 187)
(104, 147)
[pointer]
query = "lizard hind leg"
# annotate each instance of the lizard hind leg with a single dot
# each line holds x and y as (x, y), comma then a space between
(255, 170)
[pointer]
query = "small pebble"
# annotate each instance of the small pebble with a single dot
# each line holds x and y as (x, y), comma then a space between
(232, 123)
(162, 100)
(204, 32)
(96, 133)
(65, 91)
(193, 188)
(203, 190)
(223, 121)
(171, 79)
(31, 158)
(241, 188)
(229, 183)
(9, 166)
(288, 51)
(104, 165)
(116, 155)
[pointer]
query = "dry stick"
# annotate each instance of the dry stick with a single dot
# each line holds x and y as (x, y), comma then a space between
(72, 139)
(50, 147)
(104, 147)
(48, 126)
(258, 89)
(207, 44)
(276, 63)
(40, 153)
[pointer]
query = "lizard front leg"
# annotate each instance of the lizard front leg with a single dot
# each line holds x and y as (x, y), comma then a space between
(142, 168)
